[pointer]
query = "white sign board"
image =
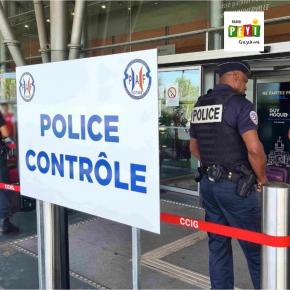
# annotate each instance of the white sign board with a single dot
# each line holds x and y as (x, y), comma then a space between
(88, 136)
(243, 31)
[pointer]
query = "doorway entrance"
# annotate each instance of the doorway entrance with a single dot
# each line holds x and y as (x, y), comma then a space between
(179, 89)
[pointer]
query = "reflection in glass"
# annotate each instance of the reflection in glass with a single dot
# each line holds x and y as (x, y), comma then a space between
(179, 89)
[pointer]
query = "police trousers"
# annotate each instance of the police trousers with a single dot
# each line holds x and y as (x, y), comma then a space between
(4, 194)
(224, 206)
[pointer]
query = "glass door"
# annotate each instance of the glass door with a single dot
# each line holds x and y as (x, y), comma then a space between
(179, 89)
(273, 107)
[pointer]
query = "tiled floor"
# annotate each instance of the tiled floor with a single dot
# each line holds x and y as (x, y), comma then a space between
(100, 253)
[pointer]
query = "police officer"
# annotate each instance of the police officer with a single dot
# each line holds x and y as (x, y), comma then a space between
(224, 138)
(5, 225)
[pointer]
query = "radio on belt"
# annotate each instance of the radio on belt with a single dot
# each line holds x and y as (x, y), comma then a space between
(207, 114)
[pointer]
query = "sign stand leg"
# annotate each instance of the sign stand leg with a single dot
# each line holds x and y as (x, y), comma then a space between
(136, 258)
(53, 257)
(40, 247)
(45, 226)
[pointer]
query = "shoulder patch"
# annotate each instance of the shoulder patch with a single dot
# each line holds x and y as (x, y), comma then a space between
(254, 117)
(207, 114)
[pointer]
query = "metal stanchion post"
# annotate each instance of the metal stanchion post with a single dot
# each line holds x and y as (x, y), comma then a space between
(276, 222)
(136, 258)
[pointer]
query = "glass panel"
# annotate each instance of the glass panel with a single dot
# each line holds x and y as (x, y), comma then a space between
(113, 22)
(273, 107)
(179, 89)
(21, 261)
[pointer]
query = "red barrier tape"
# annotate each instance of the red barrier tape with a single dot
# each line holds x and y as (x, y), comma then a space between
(227, 231)
(11, 146)
(11, 187)
(236, 233)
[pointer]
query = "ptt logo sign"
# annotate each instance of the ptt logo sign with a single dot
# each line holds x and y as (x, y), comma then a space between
(137, 79)
(26, 87)
(244, 31)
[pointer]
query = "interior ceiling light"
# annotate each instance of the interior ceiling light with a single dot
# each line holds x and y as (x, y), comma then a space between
(129, 8)
(26, 26)
(103, 6)
(48, 20)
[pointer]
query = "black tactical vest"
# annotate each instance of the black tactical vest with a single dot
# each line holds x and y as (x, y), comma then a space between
(219, 143)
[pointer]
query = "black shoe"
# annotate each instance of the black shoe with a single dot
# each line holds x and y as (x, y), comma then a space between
(6, 227)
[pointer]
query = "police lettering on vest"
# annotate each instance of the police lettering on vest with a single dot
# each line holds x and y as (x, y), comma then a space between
(207, 114)
(215, 135)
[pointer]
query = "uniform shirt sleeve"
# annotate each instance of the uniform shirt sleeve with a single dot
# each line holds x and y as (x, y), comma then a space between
(2, 121)
(240, 113)
(192, 131)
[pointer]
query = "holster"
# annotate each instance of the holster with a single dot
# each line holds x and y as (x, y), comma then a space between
(198, 174)
(246, 182)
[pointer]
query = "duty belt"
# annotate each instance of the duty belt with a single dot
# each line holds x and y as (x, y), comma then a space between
(231, 176)
(217, 172)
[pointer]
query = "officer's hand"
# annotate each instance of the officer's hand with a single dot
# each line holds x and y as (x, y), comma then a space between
(259, 187)
(260, 184)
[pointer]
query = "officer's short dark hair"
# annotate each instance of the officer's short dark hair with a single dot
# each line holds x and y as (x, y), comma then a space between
(233, 65)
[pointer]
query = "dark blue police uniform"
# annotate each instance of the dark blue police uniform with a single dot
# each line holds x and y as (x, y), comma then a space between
(222, 116)
(4, 194)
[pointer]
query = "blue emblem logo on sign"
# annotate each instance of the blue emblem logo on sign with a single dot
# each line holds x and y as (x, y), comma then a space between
(26, 87)
(137, 80)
